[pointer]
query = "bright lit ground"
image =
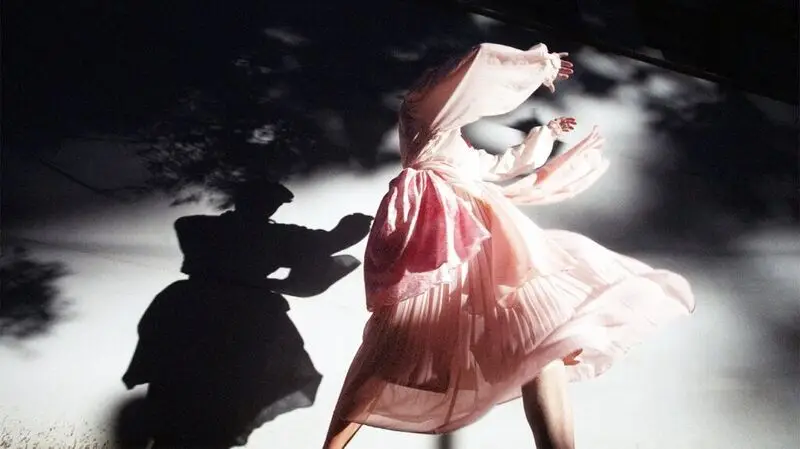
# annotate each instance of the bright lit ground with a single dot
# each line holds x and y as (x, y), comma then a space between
(726, 378)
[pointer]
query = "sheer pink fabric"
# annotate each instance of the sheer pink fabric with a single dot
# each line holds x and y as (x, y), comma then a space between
(470, 298)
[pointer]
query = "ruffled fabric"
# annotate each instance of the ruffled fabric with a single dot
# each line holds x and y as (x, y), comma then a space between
(470, 298)
(405, 258)
(563, 178)
(439, 361)
(421, 230)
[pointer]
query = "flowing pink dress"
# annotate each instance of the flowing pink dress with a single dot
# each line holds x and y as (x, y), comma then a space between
(469, 298)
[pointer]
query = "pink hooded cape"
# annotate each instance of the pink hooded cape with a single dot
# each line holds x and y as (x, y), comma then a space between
(423, 229)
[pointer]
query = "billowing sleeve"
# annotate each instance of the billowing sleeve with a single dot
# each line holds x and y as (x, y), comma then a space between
(420, 233)
(520, 159)
(564, 177)
(490, 80)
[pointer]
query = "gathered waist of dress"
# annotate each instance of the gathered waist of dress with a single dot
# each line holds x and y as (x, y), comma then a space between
(460, 179)
(447, 169)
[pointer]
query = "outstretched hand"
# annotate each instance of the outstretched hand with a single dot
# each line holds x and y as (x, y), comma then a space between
(314, 278)
(566, 69)
(357, 223)
(352, 228)
(562, 125)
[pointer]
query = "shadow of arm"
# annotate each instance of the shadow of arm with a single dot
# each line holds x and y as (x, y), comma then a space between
(310, 280)
(309, 256)
(350, 230)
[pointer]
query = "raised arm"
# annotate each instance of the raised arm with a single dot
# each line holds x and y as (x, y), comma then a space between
(564, 176)
(526, 157)
(491, 79)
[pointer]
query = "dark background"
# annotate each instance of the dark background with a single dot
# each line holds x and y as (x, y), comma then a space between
(750, 45)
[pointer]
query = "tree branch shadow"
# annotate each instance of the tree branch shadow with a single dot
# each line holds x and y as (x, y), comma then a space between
(30, 301)
(217, 92)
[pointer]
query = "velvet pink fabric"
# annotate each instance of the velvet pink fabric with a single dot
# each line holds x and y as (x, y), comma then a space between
(470, 298)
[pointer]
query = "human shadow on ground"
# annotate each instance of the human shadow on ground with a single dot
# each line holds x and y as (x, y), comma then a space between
(218, 351)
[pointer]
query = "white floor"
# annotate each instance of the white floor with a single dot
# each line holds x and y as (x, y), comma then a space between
(718, 380)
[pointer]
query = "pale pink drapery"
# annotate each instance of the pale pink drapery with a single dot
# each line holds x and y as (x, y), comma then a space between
(470, 298)
(422, 231)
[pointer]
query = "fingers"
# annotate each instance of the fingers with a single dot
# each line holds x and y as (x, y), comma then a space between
(596, 133)
(595, 140)
(566, 124)
(566, 69)
(562, 125)
(592, 141)
(565, 72)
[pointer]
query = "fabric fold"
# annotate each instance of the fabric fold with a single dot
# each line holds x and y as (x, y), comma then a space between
(470, 299)
(420, 234)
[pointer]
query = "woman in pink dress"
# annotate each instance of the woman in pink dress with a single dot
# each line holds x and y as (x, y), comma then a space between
(473, 304)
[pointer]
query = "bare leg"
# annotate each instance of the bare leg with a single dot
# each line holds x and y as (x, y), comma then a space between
(548, 410)
(340, 433)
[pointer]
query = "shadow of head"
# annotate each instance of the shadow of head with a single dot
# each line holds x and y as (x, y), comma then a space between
(260, 198)
(241, 245)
